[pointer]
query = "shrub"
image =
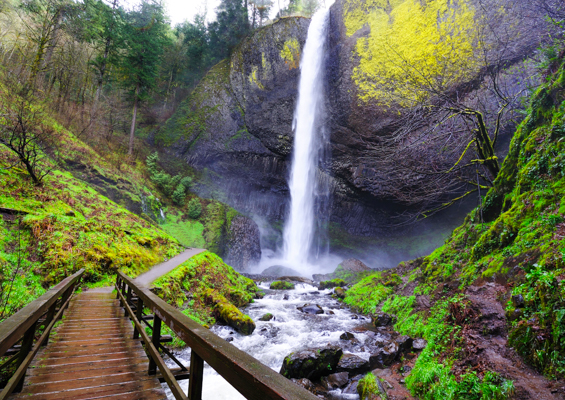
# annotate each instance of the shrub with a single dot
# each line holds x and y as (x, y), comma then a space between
(194, 208)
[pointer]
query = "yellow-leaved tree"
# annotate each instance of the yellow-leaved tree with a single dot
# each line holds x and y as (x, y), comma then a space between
(448, 68)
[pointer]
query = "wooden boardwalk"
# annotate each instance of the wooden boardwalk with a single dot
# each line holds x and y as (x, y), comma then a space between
(92, 355)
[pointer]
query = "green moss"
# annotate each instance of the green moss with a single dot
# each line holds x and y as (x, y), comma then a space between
(369, 386)
(332, 283)
(281, 285)
(367, 294)
(200, 284)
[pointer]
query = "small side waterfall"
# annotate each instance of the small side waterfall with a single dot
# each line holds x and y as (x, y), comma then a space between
(300, 228)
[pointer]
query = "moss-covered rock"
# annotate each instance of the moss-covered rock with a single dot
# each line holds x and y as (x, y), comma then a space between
(332, 283)
(311, 363)
(281, 285)
(371, 388)
(228, 313)
(204, 287)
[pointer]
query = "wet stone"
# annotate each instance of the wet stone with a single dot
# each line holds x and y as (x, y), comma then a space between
(518, 301)
(305, 383)
(267, 317)
(229, 339)
(347, 336)
(334, 381)
(384, 357)
(419, 344)
(352, 364)
(404, 343)
(311, 363)
(311, 309)
(383, 319)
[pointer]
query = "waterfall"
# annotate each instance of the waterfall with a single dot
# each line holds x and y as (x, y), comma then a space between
(300, 228)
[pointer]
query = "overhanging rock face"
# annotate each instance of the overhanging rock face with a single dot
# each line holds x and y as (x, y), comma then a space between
(236, 127)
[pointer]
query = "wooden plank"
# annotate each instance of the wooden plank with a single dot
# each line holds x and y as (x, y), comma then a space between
(92, 355)
(248, 375)
(92, 392)
(65, 369)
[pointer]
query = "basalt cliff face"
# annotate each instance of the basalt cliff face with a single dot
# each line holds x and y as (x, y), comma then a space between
(236, 127)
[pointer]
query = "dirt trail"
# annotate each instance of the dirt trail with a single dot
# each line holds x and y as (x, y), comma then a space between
(161, 269)
(486, 347)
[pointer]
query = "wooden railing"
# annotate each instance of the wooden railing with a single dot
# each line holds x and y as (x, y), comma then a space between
(248, 375)
(22, 326)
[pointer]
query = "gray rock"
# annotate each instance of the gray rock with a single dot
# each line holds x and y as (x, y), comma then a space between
(419, 344)
(383, 319)
(244, 245)
(404, 343)
(312, 363)
(305, 383)
(385, 356)
(336, 380)
(352, 364)
(518, 301)
(311, 309)
(354, 265)
(279, 270)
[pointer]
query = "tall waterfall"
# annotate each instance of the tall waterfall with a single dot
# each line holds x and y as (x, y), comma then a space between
(300, 228)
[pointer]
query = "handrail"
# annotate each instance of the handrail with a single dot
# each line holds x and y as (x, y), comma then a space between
(13, 328)
(246, 374)
(22, 326)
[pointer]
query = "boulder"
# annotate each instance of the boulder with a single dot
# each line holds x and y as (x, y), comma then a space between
(336, 380)
(311, 309)
(230, 314)
(331, 284)
(383, 319)
(311, 363)
(279, 270)
(518, 301)
(339, 292)
(267, 317)
(243, 246)
(384, 356)
(404, 343)
(296, 279)
(419, 344)
(347, 336)
(352, 364)
(305, 383)
(354, 265)
(281, 285)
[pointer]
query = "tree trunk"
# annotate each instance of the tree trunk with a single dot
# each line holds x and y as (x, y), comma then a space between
(132, 130)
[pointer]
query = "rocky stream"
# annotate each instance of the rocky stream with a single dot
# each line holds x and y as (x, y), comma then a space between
(312, 338)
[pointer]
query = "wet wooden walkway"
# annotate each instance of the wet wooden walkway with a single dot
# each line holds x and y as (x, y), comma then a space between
(92, 355)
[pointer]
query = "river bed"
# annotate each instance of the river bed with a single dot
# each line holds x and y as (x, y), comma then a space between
(290, 330)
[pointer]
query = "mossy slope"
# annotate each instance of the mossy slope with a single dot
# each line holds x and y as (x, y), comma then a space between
(516, 241)
(205, 288)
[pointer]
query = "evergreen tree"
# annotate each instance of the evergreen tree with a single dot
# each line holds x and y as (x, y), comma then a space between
(230, 27)
(145, 37)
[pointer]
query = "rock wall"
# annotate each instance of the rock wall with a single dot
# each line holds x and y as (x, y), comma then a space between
(236, 127)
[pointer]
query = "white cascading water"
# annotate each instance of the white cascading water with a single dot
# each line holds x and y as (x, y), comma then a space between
(300, 227)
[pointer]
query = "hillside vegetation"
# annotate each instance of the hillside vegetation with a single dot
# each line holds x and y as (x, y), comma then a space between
(499, 275)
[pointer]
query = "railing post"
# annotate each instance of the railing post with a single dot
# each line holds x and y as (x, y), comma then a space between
(138, 315)
(128, 300)
(27, 344)
(118, 284)
(196, 375)
(48, 319)
(156, 339)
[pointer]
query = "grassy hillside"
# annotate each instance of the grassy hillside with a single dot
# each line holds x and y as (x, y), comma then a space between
(508, 255)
